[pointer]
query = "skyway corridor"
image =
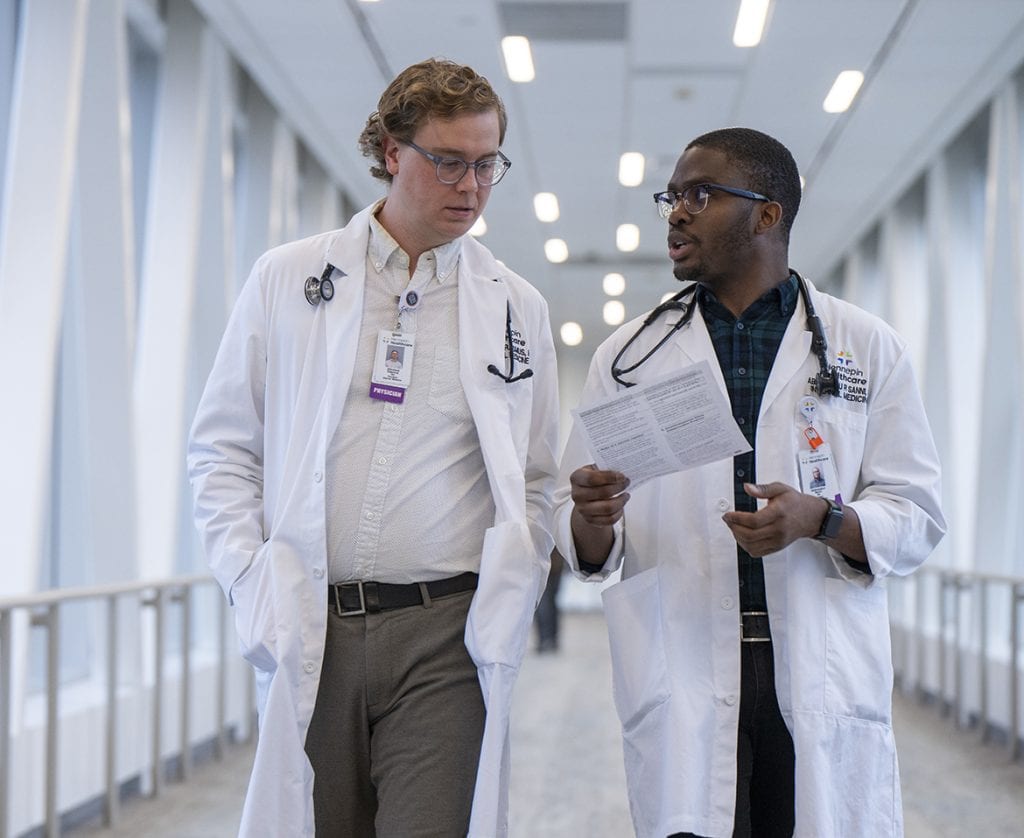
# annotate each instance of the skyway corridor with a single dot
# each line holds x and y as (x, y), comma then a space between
(568, 779)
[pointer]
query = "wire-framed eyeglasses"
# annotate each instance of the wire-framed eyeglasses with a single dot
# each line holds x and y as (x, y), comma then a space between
(451, 170)
(695, 198)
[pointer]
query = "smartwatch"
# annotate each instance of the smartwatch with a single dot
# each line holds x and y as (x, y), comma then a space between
(833, 521)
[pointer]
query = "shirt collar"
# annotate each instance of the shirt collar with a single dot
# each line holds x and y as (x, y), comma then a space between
(383, 248)
(781, 300)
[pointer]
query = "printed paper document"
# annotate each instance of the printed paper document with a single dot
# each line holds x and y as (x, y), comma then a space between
(676, 422)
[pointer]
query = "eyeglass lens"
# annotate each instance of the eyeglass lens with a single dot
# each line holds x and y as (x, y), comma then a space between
(488, 172)
(693, 198)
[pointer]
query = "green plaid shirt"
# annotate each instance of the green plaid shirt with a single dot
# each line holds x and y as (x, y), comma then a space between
(746, 349)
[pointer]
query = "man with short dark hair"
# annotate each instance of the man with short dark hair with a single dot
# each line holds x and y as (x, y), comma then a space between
(749, 633)
(381, 528)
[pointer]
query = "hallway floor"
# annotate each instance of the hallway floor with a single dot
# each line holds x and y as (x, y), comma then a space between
(567, 776)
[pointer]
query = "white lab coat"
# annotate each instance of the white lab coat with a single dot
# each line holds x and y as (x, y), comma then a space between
(673, 620)
(256, 461)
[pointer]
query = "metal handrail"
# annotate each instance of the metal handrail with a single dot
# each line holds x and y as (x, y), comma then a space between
(955, 584)
(43, 610)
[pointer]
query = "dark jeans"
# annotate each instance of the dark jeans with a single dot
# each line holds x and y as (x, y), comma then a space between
(764, 755)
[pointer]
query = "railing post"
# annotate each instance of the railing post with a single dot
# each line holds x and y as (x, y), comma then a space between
(5, 719)
(222, 675)
(919, 645)
(185, 598)
(1017, 599)
(51, 622)
(944, 704)
(957, 654)
(158, 688)
(983, 659)
(113, 789)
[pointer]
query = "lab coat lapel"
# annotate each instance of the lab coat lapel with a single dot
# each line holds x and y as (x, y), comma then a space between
(483, 301)
(792, 354)
(344, 313)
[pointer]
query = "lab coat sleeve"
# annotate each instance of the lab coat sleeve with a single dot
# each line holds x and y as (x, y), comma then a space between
(898, 499)
(225, 451)
(576, 454)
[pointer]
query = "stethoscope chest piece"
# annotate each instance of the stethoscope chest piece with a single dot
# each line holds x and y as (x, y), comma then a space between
(319, 289)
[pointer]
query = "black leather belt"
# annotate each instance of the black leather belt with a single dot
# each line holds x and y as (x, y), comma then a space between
(754, 627)
(350, 599)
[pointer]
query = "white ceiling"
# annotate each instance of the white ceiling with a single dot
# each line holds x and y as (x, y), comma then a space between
(647, 76)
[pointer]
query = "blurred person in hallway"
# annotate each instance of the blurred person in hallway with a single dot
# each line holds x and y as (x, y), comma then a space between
(548, 618)
(749, 633)
(382, 532)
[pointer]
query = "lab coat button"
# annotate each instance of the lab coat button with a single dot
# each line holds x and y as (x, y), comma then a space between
(317, 476)
(723, 504)
(730, 700)
(726, 602)
(318, 573)
(310, 667)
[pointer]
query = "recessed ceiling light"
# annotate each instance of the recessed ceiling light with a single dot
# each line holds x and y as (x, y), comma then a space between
(631, 168)
(613, 284)
(545, 205)
(556, 250)
(844, 90)
(571, 333)
(614, 312)
(627, 237)
(518, 58)
(750, 23)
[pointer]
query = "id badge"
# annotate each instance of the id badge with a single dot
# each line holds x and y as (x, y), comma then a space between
(392, 366)
(818, 475)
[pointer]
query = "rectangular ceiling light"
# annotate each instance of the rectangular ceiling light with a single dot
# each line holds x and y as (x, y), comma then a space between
(750, 23)
(631, 168)
(844, 90)
(518, 58)
(545, 205)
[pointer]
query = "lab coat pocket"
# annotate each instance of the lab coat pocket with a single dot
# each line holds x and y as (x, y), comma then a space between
(639, 672)
(252, 594)
(858, 653)
(446, 394)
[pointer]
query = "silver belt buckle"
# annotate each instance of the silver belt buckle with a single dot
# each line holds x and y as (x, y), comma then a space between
(743, 637)
(337, 600)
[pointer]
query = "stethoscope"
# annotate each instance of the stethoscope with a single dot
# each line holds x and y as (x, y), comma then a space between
(510, 376)
(323, 289)
(826, 383)
(320, 289)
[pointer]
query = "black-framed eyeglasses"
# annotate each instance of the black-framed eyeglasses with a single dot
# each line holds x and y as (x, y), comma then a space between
(695, 198)
(451, 170)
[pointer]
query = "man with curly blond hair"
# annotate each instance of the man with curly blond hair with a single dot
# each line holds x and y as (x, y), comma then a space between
(382, 530)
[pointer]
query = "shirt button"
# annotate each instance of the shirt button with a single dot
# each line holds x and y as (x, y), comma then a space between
(740, 472)
(726, 602)
(742, 370)
(730, 700)
(740, 420)
(317, 476)
(382, 461)
(740, 326)
(310, 667)
(370, 516)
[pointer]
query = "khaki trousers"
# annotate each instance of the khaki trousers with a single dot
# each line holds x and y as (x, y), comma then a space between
(396, 731)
